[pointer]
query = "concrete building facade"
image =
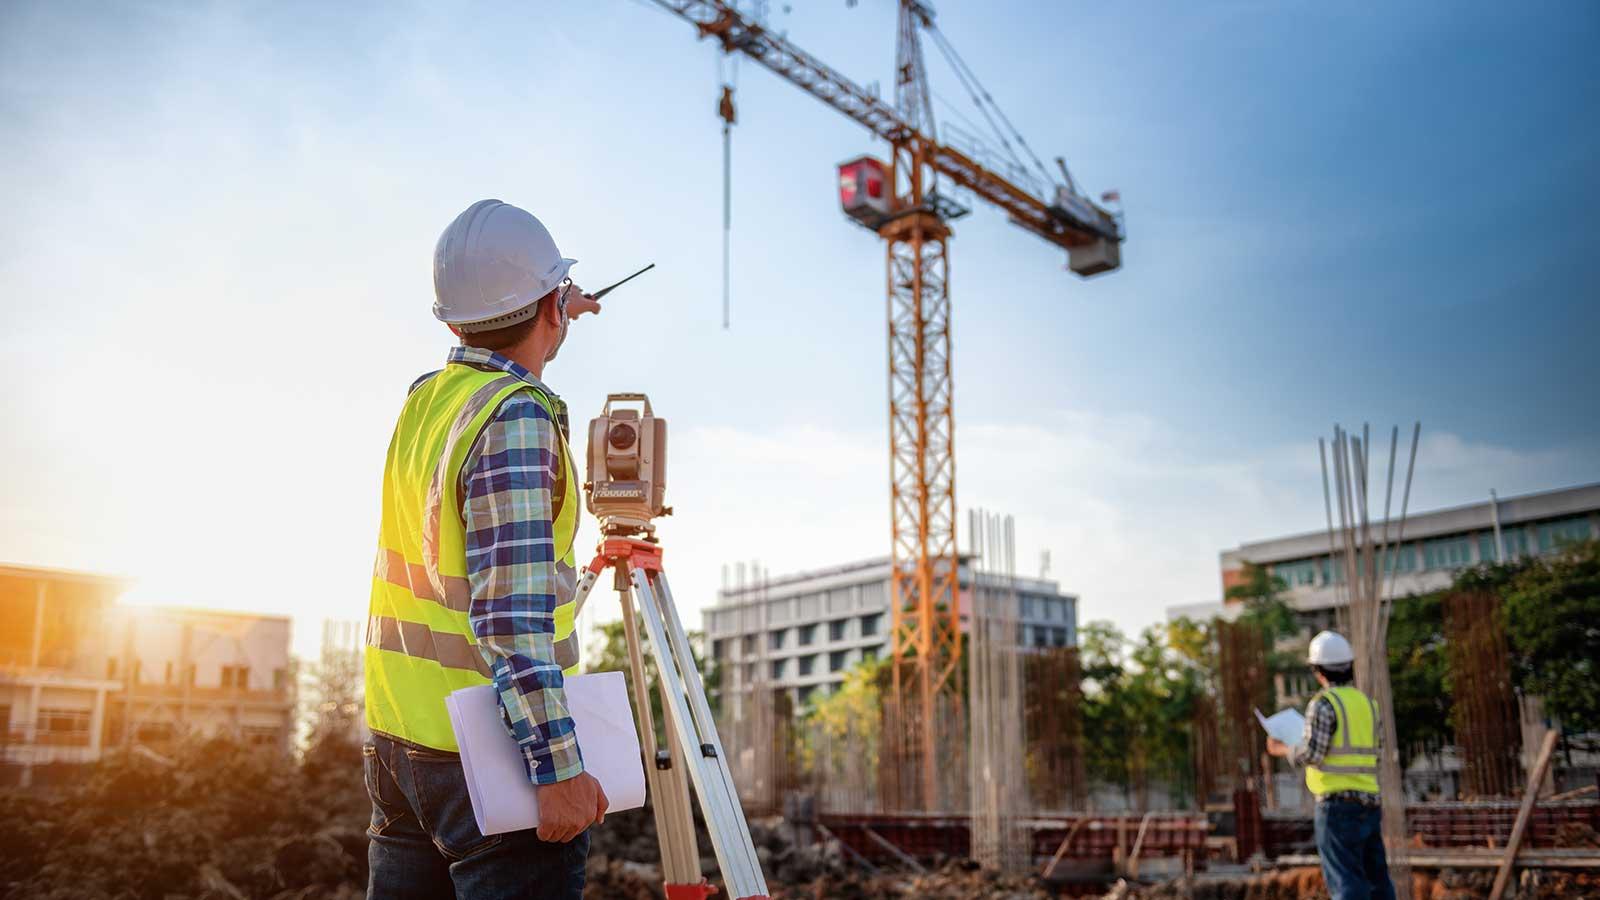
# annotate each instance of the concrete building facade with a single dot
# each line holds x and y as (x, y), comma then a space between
(80, 674)
(802, 632)
(1437, 544)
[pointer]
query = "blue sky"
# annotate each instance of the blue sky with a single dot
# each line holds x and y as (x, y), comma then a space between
(215, 269)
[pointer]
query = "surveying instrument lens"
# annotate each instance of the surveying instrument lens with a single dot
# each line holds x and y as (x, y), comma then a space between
(626, 490)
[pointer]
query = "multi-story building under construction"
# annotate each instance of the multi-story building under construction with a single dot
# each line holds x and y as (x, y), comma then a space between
(80, 674)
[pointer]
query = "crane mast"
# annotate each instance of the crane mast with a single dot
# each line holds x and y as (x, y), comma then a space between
(923, 708)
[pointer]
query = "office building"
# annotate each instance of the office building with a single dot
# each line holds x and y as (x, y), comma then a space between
(802, 632)
(1436, 545)
(80, 674)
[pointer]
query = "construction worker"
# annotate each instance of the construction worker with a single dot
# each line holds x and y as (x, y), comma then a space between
(1340, 754)
(474, 579)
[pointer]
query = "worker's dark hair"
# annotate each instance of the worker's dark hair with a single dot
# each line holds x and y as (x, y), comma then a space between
(498, 339)
(1336, 675)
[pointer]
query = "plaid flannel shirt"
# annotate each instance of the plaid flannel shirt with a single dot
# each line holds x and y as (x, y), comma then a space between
(1313, 747)
(508, 485)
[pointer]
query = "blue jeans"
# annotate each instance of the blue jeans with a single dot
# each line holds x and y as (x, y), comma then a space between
(1350, 841)
(424, 843)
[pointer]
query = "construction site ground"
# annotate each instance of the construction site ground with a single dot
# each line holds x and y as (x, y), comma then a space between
(220, 822)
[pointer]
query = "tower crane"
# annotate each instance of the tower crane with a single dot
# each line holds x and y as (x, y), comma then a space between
(901, 203)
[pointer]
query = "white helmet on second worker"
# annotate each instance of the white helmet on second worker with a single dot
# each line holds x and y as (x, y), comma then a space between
(1329, 648)
(491, 266)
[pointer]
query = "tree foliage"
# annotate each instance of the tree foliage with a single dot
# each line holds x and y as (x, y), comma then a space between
(1419, 674)
(1139, 703)
(1552, 614)
(1262, 595)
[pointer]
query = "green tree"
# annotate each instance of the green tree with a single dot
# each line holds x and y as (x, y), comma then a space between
(1262, 595)
(1552, 613)
(847, 720)
(1139, 703)
(1107, 724)
(1419, 674)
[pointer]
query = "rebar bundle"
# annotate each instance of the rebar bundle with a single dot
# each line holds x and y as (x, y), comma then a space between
(1487, 725)
(1246, 685)
(1053, 720)
(1206, 752)
(1364, 554)
(994, 665)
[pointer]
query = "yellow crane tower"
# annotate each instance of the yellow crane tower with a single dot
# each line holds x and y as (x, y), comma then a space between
(900, 202)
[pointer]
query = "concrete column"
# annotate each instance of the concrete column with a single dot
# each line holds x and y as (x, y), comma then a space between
(97, 721)
(30, 724)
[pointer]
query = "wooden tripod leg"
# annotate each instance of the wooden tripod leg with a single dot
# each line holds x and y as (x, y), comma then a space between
(669, 788)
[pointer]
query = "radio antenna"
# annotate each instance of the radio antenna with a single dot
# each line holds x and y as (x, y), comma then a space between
(609, 288)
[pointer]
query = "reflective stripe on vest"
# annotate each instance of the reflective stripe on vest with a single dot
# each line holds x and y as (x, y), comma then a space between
(1351, 763)
(420, 644)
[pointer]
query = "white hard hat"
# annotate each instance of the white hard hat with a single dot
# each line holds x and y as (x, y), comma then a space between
(491, 266)
(1329, 648)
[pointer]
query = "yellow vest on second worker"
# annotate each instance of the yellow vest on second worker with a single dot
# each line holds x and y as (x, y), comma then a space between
(420, 646)
(1352, 760)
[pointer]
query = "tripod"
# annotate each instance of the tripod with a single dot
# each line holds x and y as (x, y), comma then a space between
(692, 744)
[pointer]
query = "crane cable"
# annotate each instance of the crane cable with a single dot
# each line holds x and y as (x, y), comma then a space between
(725, 111)
(975, 92)
(960, 65)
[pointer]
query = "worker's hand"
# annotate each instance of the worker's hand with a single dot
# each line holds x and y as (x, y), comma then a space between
(1277, 747)
(567, 807)
(579, 303)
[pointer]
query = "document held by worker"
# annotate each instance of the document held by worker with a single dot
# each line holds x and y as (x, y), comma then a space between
(1286, 725)
(503, 799)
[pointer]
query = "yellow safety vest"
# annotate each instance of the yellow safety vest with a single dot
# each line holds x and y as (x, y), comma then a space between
(420, 646)
(1352, 760)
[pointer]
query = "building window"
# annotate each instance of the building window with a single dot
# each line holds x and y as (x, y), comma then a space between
(64, 727)
(236, 677)
(749, 673)
(803, 695)
(261, 735)
(1487, 551)
(869, 654)
(1298, 573)
(1446, 553)
(1041, 637)
(747, 645)
(807, 664)
(778, 665)
(837, 660)
(718, 649)
(1027, 607)
(808, 635)
(1058, 637)
(1554, 535)
(1400, 559)
(869, 624)
(836, 629)
(775, 639)
(1332, 570)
